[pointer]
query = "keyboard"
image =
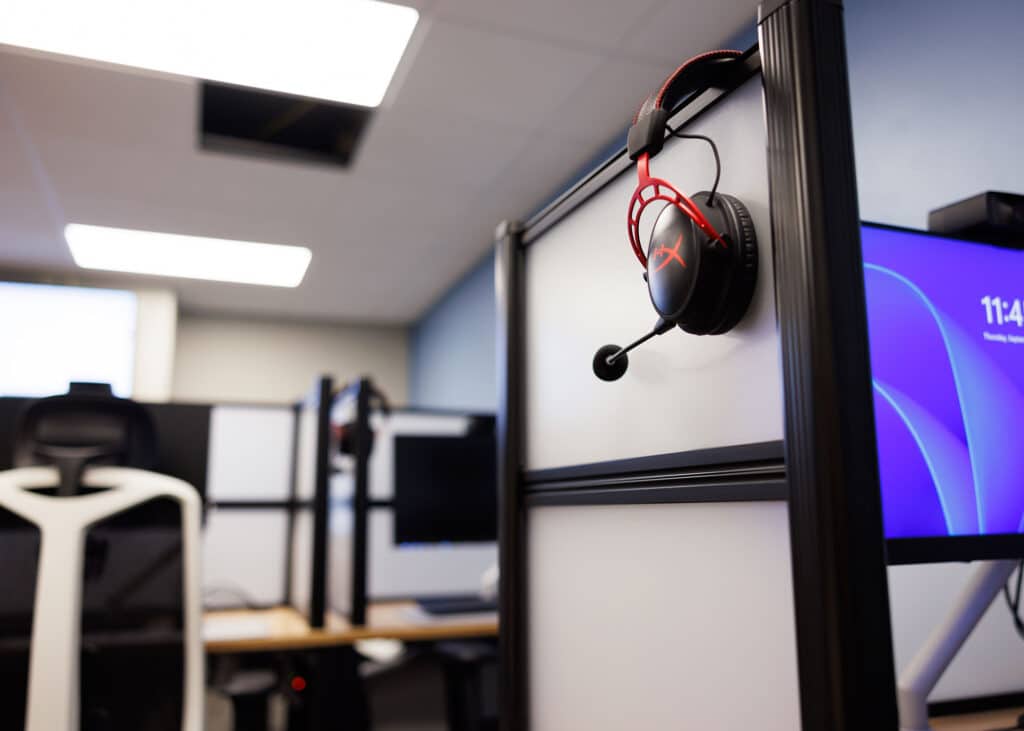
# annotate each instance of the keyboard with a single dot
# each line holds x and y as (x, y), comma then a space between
(457, 605)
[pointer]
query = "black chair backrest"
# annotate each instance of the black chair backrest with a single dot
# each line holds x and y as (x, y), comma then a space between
(87, 425)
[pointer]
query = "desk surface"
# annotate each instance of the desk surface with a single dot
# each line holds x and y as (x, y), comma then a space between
(284, 628)
(988, 721)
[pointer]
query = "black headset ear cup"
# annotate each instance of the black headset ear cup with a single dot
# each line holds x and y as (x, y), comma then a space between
(743, 281)
(728, 273)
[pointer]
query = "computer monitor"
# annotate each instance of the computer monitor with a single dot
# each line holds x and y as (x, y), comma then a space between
(946, 330)
(445, 489)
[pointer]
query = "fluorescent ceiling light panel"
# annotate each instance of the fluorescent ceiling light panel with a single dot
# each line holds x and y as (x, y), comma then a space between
(339, 50)
(193, 257)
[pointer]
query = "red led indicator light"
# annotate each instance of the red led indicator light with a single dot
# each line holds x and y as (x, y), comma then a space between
(298, 683)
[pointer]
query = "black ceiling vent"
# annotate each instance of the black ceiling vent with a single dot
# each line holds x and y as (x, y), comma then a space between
(258, 123)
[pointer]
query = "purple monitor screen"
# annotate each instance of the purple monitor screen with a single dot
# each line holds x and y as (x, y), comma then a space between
(946, 328)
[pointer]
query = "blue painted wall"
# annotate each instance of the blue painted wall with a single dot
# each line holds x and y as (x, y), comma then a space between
(937, 102)
(937, 108)
(451, 348)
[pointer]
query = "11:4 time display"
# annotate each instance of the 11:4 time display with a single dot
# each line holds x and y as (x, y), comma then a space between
(1000, 312)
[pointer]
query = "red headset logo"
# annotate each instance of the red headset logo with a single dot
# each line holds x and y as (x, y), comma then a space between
(670, 254)
(662, 191)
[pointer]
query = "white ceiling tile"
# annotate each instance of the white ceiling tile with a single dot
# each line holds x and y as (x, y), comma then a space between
(442, 148)
(488, 77)
(588, 24)
(541, 171)
(679, 29)
(495, 106)
(57, 94)
(605, 101)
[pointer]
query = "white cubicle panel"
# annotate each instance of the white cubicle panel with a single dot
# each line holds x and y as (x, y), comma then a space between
(422, 569)
(249, 459)
(301, 578)
(242, 557)
(989, 662)
(340, 543)
(653, 617)
(412, 423)
(584, 290)
(305, 453)
(250, 453)
(674, 614)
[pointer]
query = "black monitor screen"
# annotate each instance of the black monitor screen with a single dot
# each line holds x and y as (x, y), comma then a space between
(445, 489)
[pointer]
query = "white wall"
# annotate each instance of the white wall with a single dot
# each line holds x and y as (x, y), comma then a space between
(989, 663)
(155, 336)
(221, 358)
(936, 103)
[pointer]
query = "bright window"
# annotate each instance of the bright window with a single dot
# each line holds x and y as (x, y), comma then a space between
(52, 335)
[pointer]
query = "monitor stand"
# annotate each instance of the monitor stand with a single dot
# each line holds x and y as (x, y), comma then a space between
(919, 678)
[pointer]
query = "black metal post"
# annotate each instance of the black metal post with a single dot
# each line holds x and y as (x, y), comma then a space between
(321, 504)
(511, 526)
(844, 643)
(361, 502)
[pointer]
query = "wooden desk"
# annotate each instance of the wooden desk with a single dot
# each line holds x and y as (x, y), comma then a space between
(284, 628)
(988, 721)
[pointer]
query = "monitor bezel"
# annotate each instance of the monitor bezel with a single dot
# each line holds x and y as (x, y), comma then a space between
(946, 549)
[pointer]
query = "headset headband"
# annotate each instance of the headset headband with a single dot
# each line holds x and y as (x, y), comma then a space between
(647, 134)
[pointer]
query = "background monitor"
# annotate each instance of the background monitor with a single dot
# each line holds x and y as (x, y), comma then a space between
(445, 489)
(946, 330)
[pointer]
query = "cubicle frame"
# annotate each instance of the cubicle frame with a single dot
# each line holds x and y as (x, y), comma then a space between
(826, 468)
(321, 395)
(361, 501)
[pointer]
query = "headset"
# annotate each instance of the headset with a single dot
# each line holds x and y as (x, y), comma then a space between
(700, 263)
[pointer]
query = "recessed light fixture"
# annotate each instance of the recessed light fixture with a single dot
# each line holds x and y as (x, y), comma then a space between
(193, 257)
(341, 50)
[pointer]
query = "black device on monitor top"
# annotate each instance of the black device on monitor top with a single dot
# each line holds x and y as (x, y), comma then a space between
(446, 488)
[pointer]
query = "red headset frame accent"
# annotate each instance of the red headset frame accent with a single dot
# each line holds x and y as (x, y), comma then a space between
(646, 139)
(663, 191)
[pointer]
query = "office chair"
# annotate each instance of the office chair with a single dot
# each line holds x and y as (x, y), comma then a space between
(63, 501)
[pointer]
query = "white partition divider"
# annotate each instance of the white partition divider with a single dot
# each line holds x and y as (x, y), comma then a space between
(249, 460)
(305, 453)
(301, 576)
(250, 453)
(653, 617)
(243, 557)
(676, 614)
(340, 544)
(584, 290)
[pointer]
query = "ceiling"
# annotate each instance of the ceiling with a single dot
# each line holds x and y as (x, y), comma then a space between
(494, 106)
